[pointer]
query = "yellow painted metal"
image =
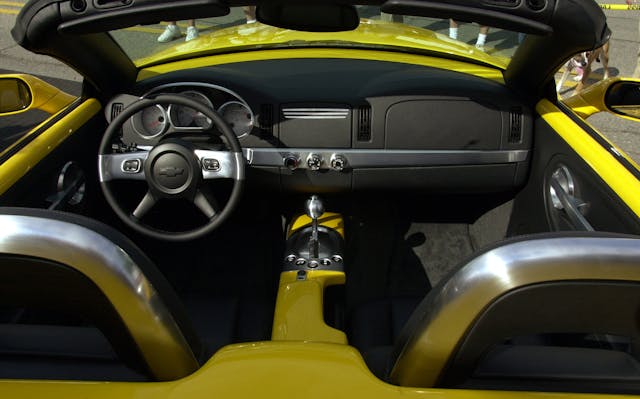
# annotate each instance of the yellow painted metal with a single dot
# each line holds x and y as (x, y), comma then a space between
(591, 100)
(44, 96)
(457, 66)
(299, 308)
(330, 220)
(269, 370)
(618, 177)
(28, 157)
(404, 38)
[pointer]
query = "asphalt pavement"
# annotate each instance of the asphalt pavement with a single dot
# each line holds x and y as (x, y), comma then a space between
(625, 42)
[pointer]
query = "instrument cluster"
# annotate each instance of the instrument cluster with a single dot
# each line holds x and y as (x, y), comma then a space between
(151, 123)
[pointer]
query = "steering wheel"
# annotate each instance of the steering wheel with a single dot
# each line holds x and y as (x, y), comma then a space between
(173, 169)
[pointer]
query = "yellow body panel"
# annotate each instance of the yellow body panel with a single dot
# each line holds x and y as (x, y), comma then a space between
(371, 33)
(269, 370)
(329, 220)
(457, 66)
(619, 178)
(299, 308)
(26, 158)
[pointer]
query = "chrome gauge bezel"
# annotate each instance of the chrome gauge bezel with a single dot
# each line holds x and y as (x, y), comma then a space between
(244, 130)
(142, 130)
(173, 109)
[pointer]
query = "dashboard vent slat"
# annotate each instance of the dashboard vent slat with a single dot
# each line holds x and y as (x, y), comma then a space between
(364, 124)
(116, 109)
(515, 125)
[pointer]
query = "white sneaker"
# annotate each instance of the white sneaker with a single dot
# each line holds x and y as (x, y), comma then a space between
(171, 32)
(480, 47)
(192, 33)
(251, 21)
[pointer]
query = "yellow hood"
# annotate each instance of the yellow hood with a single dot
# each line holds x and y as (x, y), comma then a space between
(370, 34)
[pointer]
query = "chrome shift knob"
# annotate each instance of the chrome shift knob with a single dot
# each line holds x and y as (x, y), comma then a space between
(315, 207)
(314, 210)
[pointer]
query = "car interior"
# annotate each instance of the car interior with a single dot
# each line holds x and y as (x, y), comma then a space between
(434, 219)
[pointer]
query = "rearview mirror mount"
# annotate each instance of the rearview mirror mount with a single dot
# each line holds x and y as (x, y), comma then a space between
(309, 17)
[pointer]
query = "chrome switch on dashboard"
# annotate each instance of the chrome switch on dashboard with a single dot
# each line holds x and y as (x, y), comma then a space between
(291, 161)
(314, 161)
(338, 162)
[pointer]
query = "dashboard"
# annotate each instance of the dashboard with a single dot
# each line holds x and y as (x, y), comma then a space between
(317, 125)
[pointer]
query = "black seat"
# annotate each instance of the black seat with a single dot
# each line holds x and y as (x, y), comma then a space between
(553, 312)
(80, 301)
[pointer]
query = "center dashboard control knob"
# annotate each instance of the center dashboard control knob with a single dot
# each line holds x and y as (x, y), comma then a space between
(291, 161)
(314, 161)
(338, 162)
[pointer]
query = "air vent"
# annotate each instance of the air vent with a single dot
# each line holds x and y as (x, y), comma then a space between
(265, 120)
(537, 5)
(116, 108)
(364, 123)
(515, 125)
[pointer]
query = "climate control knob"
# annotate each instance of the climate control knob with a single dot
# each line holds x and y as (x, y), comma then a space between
(314, 161)
(338, 162)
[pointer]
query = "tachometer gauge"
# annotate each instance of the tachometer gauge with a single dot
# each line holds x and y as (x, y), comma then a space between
(239, 116)
(185, 117)
(150, 122)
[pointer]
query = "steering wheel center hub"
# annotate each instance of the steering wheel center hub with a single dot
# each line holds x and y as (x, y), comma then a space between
(172, 170)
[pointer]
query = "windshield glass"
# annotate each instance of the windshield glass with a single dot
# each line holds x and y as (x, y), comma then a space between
(238, 31)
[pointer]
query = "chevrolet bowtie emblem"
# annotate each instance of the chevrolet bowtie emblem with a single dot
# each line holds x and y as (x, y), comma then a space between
(170, 171)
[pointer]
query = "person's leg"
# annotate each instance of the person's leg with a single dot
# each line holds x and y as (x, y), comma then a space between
(482, 37)
(453, 29)
(170, 33)
(250, 14)
(192, 31)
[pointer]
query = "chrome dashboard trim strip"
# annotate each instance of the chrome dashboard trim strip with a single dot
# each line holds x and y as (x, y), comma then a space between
(120, 279)
(315, 113)
(364, 158)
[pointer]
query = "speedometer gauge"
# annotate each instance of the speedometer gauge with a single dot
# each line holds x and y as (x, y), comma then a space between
(150, 122)
(189, 118)
(239, 116)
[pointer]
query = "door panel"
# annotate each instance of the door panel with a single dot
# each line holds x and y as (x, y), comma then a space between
(30, 170)
(604, 191)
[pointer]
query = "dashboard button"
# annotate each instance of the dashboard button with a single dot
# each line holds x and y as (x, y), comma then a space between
(314, 161)
(211, 164)
(132, 166)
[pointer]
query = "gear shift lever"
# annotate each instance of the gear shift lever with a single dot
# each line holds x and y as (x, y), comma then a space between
(314, 209)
